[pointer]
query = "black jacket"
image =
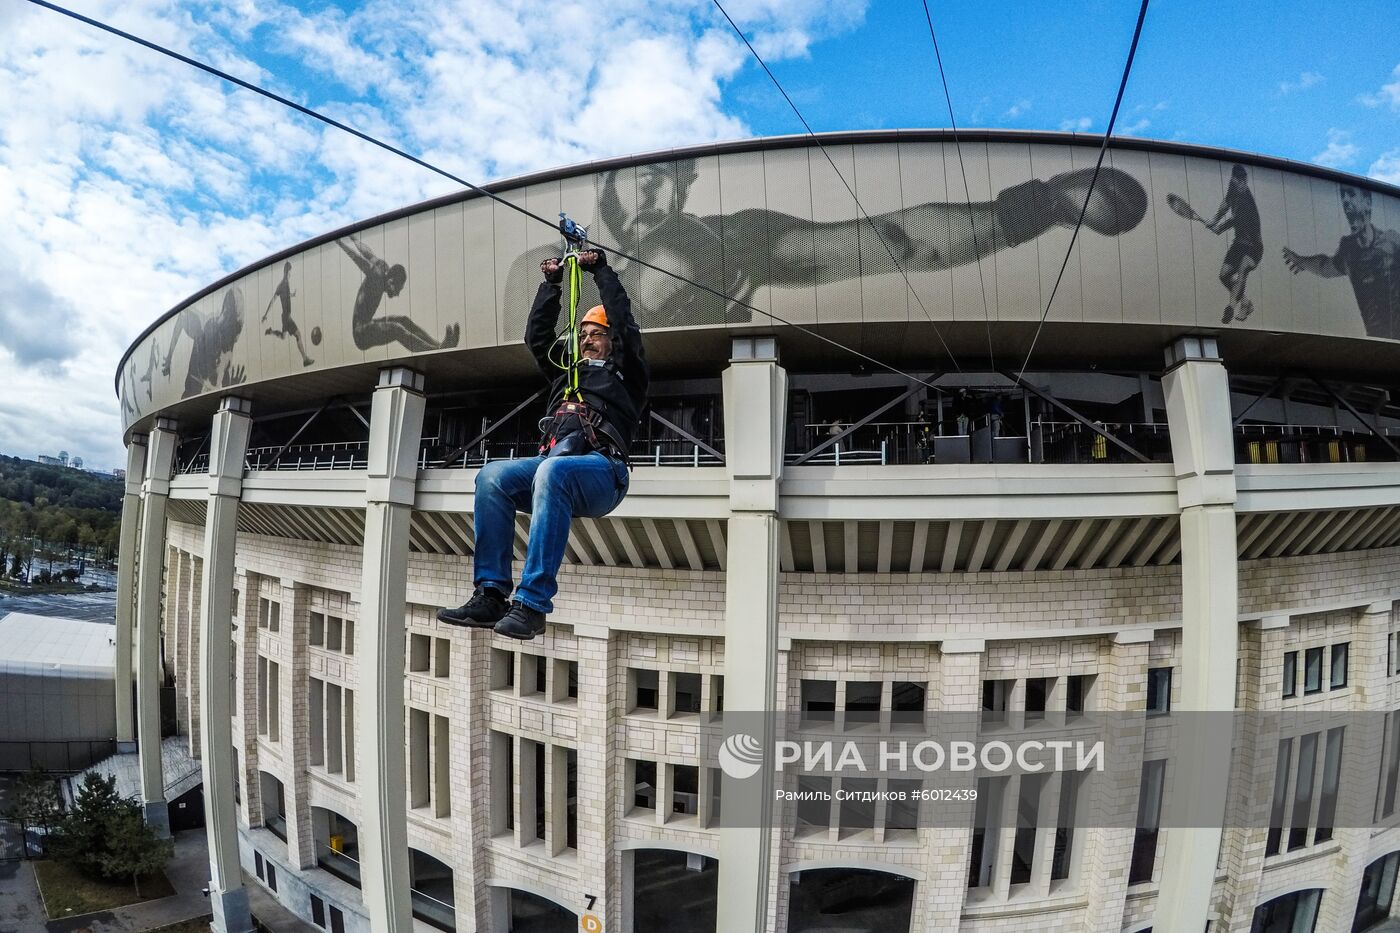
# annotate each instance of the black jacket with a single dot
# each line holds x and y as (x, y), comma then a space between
(618, 388)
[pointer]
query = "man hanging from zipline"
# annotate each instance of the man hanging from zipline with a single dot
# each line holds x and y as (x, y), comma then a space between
(581, 470)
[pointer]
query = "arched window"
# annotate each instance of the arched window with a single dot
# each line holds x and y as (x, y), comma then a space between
(673, 892)
(431, 891)
(850, 898)
(1294, 912)
(1377, 890)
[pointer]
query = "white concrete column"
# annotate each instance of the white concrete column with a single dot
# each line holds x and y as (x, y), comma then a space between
(1197, 390)
(396, 427)
(755, 407)
(155, 490)
(126, 589)
(228, 443)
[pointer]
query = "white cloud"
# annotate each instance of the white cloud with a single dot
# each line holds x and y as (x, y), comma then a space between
(1077, 125)
(1017, 109)
(130, 181)
(1388, 95)
(1305, 80)
(1135, 129)
(1340, 151)
(1387, 167)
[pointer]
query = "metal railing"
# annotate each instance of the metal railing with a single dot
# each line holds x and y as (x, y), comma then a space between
(344, 867)
(432, 911)
(334, 455)
(1309, 443)
(888, 443)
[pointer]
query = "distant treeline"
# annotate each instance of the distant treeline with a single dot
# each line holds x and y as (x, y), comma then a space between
(55, 514)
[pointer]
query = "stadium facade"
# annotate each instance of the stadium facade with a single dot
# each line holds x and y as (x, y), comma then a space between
(1183, 493)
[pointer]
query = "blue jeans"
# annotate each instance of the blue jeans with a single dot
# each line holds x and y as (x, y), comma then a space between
(553, 491)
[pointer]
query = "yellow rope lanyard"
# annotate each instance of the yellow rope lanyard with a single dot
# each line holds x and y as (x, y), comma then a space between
(575, 287)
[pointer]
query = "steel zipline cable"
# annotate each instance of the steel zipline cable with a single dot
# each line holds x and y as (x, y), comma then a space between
(1103, 150)
(849, 190)
(422, 163)
(967, 192)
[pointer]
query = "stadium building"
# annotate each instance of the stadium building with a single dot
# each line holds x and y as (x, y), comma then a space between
(870, 487)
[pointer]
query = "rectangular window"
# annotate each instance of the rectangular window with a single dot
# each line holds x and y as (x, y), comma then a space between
(318, 635)
(258, 866)
(532, 675)
(334, 729)
(1339, 665)
(420, 649)
(502, 787)
(1027, 815)
(335, 634)
(1037, 695)
(442, 767)
(349, 636)
(502, 669)
(996, 694)
(262, 695)
(644, 785)
(337, 920)
(538, 752)
(717, 692)
(1077, 689)
(274, 701)
(819, 700)
(986, 826)
(1290, 674)
(316, 713)
(644, 688)
(565, 681)
(271, 869)
(685, 690)
(863, 702)
(571, 802)
(902, 808)
(1278, 810)
(857, 803)
(1143, 862)
(318, 911)
(1303, 791)
(1159, 691)
(814, 803)
(716, 787)
(685, 789)
(419, 792)
(350, 735)
(1312, 671)
(1331, 780)
(1063, 858)
(907, 700)
(1385, 804)
(442, 657)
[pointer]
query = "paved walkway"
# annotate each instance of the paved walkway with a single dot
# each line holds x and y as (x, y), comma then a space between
(22, 909)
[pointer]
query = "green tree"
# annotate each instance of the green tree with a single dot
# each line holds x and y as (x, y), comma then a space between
(133, 849)
(81, 838)
(34, 801)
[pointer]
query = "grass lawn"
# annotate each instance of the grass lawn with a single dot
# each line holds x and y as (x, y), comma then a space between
(68, 893)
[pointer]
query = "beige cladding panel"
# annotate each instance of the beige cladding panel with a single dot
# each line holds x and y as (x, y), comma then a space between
(884, 296)
(1137, 248)
(1012, 277)
(778, 229)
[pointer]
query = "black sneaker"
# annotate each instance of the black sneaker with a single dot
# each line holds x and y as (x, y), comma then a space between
(521, 623)
(486, 607)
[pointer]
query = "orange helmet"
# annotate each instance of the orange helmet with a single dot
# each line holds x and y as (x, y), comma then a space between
(595, 315)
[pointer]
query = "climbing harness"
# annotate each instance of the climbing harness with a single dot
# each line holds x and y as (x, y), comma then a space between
(573, 426)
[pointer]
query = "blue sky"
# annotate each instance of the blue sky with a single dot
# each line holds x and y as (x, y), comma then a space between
(132, 181)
